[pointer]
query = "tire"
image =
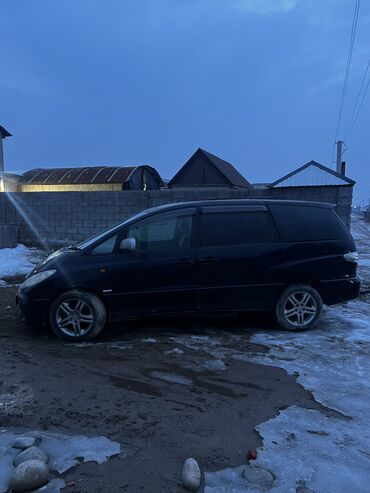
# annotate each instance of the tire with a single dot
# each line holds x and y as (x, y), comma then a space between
(77, 316)
(298, 308)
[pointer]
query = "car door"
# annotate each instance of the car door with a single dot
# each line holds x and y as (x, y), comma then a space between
(239, 258)
(159, 276)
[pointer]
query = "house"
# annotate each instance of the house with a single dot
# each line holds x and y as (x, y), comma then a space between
(313, 174)
(205, 170)
(90, 179)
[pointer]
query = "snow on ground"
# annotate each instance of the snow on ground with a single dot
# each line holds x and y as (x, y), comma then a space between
(360, 230)
(332, 454)
(64, 452)
(17, 261)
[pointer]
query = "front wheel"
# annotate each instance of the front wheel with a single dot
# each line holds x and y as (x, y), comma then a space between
(299, 308)
(77, 316)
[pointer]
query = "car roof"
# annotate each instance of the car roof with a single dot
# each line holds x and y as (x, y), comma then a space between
(236, 202)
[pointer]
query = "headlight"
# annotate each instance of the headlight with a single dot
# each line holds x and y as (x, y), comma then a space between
(351, 257)
(37, 278)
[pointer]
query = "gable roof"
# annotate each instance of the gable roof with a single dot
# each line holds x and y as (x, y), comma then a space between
(4, 133)
(229, 172)
(312, 174)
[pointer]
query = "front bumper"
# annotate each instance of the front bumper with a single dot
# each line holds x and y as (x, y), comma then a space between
(339, 290)
(32, 310)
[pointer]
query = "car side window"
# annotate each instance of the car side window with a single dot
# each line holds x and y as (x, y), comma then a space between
(235, 228)
(162, 232)
(105, 247)
(308, 223)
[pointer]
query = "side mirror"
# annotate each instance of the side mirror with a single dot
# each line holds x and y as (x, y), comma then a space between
(127, 245)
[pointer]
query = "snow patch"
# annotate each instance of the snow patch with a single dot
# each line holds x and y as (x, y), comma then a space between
(214, 365)
(333, 363)
(64, 452)
(18, 261)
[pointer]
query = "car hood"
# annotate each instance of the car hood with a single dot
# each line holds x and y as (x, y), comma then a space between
(53, 260)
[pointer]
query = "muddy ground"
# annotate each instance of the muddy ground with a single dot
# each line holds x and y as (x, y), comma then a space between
(150, 386)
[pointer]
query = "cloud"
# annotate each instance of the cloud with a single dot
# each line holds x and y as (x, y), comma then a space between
(264, 7)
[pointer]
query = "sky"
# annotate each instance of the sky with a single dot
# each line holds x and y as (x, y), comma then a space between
(129, 82)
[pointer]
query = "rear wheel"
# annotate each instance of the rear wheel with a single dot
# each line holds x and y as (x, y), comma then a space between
(299, 308)
(77, 316)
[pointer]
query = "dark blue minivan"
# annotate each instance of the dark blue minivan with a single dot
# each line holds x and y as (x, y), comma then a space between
(288, 257)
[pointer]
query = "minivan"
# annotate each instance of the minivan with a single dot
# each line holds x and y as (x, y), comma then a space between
(287, 257)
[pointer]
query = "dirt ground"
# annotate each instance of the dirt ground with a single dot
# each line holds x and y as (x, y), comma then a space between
(149, 386)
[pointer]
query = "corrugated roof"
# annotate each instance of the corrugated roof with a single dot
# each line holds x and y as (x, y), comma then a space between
(312, 174)
(87, 175)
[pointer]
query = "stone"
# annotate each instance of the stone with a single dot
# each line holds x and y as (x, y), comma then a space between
(30, 475)
(24, 442)
(32, 453)
(258, 477)
(302, 488)
(191, 475)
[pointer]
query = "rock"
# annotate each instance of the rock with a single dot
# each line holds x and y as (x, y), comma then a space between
(32, 453)
(24, 442)
(302, 488)
(191, 476)
(30, 475)
(259, 477)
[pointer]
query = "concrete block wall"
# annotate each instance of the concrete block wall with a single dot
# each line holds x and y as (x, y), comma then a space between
(51, 219)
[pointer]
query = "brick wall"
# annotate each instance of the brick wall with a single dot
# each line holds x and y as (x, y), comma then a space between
(54, 219)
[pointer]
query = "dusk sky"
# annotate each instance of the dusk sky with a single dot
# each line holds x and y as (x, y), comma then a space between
(129, 82)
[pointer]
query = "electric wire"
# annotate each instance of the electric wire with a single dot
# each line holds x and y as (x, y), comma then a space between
(358, 97)
(359, 107)
(348, 67)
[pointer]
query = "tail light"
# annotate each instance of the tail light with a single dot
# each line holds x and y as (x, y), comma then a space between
(351, 257)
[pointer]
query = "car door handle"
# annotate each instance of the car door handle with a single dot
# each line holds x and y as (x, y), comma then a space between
(208, 260)
(183, 262)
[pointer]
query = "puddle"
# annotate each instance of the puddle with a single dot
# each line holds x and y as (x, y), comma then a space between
(135, 386)
(171, 378)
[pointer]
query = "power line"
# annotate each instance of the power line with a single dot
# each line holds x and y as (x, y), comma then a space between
(358, 156)
(348, 67)
(358, 97)
(359, 108)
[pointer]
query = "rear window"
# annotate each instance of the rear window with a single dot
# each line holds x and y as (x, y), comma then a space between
(234, 228)
(308, 223)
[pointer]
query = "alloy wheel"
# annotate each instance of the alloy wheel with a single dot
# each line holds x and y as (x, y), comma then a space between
(74, 317)
(300, 308)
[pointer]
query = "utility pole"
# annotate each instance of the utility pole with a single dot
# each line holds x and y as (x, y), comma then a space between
(339, 155)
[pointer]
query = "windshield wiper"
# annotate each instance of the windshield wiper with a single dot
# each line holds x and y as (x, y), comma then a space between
(74, 246)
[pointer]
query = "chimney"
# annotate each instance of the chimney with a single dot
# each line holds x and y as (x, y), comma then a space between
(3, 135)
(343, 168)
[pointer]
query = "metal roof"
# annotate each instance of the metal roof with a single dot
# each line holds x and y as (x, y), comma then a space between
(312, 174)
(86, 175)
(4, 133)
